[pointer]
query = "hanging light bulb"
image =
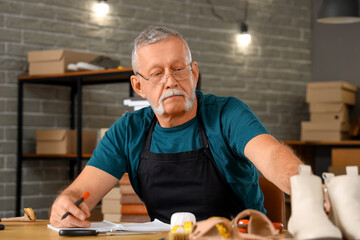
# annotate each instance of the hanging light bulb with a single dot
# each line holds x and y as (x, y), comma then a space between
(101, 8)
(244, 38)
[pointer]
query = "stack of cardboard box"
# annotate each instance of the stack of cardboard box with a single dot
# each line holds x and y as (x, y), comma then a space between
(329, 113)
(110, 205)
(132, 208)
(126, 206)
(122, 204)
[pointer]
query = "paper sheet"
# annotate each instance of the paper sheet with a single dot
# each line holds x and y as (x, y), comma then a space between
(107, 226)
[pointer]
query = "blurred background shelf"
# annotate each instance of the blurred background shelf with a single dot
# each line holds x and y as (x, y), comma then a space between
(76, 81)
(318, 153)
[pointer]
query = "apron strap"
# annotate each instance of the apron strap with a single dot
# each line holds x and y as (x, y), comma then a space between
(147, 144)
(203, 138)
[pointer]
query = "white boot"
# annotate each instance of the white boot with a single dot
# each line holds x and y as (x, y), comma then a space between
(344, 194)
(308, 219)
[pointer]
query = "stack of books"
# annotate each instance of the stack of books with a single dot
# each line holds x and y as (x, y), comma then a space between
(132, 208)
(329, 112)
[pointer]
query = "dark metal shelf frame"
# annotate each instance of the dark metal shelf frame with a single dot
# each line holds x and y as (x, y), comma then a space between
(75, 81)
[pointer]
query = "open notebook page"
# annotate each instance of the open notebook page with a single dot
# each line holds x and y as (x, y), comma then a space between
(106, 226)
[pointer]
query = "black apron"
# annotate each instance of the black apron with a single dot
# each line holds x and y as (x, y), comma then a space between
(184, 182)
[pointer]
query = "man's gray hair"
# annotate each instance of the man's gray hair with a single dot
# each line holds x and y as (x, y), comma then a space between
(150, 35)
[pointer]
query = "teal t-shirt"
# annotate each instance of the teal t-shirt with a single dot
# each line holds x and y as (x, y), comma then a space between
(229, 125)
(181, 138)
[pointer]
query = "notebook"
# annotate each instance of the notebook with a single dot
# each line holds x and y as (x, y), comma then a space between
(107, 226)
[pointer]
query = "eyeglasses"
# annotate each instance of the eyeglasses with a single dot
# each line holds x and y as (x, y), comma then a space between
(178, 75)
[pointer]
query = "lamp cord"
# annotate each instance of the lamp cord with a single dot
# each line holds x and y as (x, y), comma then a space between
(225, 20)
(246, 11)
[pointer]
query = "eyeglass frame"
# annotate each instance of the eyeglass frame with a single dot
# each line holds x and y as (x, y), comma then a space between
(165, 75)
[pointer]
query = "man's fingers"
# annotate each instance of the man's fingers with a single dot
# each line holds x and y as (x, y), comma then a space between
(84, 207)
(72, 221)
(69, 222)
(327, 204)
(76, 212)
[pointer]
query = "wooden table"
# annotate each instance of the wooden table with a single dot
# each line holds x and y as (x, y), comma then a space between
(38, 230)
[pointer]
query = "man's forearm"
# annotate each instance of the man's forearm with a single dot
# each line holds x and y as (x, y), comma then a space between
(284, 165)
(92, 180)
(274, 160)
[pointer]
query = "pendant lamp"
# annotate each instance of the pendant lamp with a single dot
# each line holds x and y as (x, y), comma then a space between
(339, 11)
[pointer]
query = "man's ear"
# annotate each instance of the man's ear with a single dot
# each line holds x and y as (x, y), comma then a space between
(195, 72)
(136, 85)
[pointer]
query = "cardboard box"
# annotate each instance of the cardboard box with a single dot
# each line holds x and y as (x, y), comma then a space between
(110, 206)
(102, 132)
(112, 217)
(100, 135)
(61, 141)
(337, 170)
(325, 112)
(55, 61)
(323, 107)
(318, 135)
(335, 92)
(329, 117)
(333, 131)
(342, 157)
(113, 194)
(326, 126)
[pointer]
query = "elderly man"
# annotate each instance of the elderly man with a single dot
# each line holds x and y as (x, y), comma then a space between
(188, 152)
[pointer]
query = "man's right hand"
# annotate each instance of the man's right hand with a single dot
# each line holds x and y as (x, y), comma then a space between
(92, 180)
(65, 202)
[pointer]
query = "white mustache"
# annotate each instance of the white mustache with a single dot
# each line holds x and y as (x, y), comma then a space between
(172, 92)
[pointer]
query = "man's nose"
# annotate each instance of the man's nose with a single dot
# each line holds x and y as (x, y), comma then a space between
(170, 81)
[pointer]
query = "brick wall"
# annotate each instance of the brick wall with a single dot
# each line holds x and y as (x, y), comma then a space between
(270, 75)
